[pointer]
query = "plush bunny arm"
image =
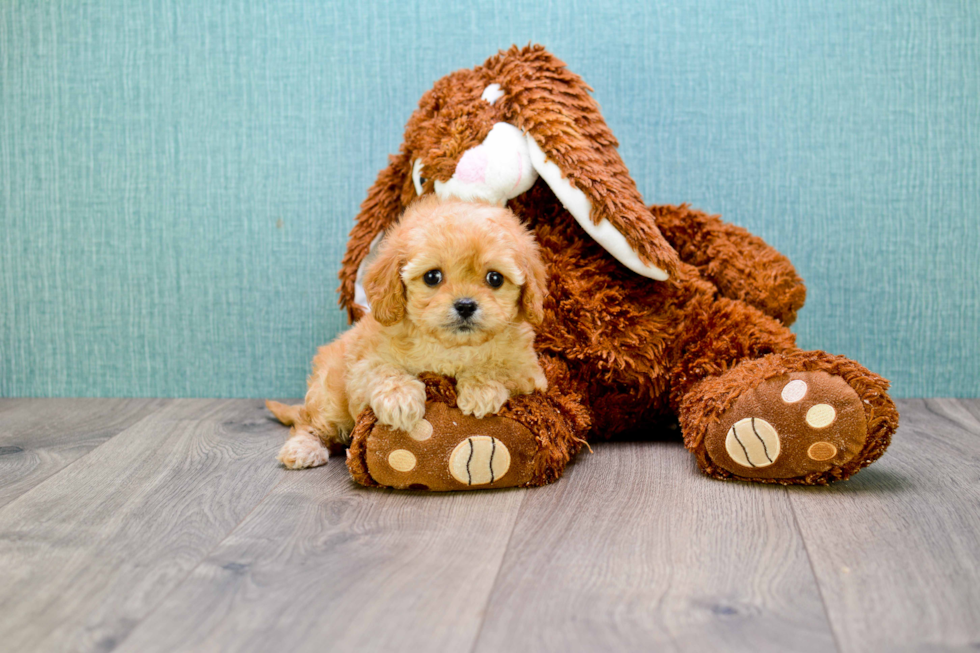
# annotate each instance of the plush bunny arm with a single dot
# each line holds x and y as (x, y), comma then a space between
(739, 263)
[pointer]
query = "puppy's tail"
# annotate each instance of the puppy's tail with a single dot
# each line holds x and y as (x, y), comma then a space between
(288, 415)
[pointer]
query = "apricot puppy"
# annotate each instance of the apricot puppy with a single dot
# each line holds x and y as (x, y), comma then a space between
(455, 289)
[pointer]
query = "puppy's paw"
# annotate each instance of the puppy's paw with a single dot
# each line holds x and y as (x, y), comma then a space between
(540, 380)
(400, 406)
(303, 450)
(481, 398)
(527, 381)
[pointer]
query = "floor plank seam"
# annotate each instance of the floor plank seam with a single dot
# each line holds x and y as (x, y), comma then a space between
(84, 456)
(190, 572)
(813, 571)
(500, 567)
(947, 420)
(669, 560)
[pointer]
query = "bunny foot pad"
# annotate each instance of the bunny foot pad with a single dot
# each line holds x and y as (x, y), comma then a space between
(790, 426)
(451, 451)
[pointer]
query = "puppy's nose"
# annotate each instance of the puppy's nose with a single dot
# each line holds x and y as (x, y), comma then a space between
(465, 307)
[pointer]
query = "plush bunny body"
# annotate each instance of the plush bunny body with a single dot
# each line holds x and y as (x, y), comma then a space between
(651, 311)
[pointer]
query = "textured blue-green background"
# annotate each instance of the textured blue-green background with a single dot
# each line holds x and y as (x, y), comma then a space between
(177, 179)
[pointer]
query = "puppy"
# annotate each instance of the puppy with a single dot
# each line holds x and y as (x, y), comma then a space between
(456, 289)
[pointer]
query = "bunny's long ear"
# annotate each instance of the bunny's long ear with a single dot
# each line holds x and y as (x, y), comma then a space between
(384, 204)
(575, 152)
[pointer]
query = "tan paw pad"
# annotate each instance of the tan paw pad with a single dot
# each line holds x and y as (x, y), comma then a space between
(821, 451)
(479, 460)
(422, 431)
(752, 442)
(794, 391)
(821, 416)
(402, 460)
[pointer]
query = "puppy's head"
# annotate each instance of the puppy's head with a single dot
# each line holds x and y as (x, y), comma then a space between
(459, 271)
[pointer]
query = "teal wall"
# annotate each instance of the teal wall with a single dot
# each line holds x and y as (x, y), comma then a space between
(177, 179)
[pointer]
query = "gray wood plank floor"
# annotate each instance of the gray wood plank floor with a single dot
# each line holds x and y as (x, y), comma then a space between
(141, 525)
(38, 438)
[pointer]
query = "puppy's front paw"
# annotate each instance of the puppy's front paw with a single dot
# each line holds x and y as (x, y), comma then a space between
(533, 380)
(401, 406)
(303, 450)
(481, 398)
(540, 380)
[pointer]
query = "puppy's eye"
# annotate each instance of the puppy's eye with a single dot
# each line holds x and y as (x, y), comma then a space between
(495, 279)
(422, 180)
(432, 277)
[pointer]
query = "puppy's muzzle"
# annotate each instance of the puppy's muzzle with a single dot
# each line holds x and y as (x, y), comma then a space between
(465, 308)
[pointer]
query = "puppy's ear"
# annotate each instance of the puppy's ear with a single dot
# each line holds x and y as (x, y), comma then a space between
(535, 285)
(575, 152)
(385, 202)
(383, 285)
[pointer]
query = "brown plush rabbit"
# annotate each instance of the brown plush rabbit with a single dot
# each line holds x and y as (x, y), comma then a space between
(651, 311)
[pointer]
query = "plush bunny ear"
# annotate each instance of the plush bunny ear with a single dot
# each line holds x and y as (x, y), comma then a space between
(385, 202)
(575, 152)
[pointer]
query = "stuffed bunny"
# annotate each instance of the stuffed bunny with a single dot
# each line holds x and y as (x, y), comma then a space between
(651, 311)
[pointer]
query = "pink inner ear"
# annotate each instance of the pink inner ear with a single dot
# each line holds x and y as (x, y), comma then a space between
(472, 168)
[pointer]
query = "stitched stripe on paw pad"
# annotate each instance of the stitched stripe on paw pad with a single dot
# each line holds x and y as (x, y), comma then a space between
(479, 460)
(752, 442)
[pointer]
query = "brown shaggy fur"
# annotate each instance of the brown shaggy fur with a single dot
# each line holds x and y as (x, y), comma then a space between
(619, 349)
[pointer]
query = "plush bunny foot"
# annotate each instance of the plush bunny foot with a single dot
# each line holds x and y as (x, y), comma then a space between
(804, 417)
(790, 426)
(527, 443)
(448, 450)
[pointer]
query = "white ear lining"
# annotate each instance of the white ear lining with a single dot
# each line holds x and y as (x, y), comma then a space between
(580, 207)
(360, 297)
(417, 176)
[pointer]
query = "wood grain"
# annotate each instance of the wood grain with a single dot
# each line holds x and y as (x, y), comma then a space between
(38, 437)
(635, 551)
(181, 533)
(91, 551)
(896, 550)
(326, 565)
(7, 403)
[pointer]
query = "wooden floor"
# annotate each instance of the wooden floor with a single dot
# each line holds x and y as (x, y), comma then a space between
(167, 525)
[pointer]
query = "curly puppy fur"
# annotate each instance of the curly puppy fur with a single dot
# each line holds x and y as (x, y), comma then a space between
(455, 290)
